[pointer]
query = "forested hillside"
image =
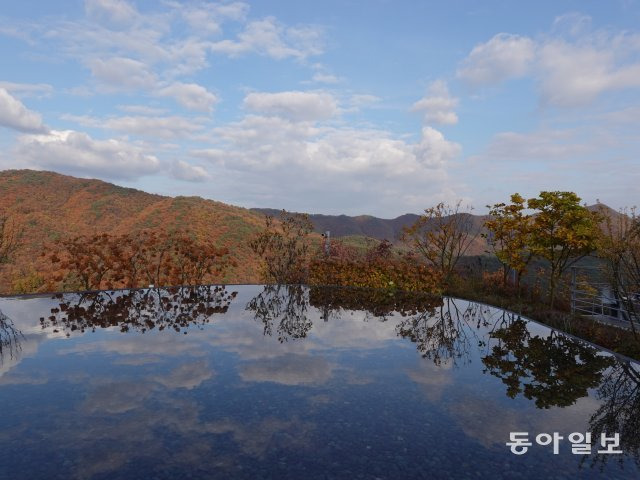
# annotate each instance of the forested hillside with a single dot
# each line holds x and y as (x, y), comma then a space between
(49, 207)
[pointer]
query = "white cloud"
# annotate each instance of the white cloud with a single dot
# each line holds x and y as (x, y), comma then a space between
(543, 145)
(289, 369)
(362, 100)
(184, 171)
(573, 74)
(325, 78)
(150, 126)
(294, 105)
(161, 127)
(271, 142)
(434, 151)
(438, 105)
(504, 56)
(345, 170)
(112, 12)
(571, 65)
(573, 23)
(190, 95)
(268, 37)
(122, 73)
(206, 18)
(79, 154)
(187, 376)
(27, 89)
(142, 109)
(14, 115)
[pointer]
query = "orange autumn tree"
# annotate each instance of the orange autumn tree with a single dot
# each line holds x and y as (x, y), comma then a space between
(137, 259)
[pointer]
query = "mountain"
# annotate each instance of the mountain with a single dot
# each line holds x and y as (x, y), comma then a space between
(366, 225)
(376, 228)
(50, 206)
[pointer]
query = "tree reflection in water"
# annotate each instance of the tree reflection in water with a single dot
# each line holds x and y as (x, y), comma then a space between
(9, 338)
(552, 371)
(558, 370)
(378, 304)
(177, 308)
(620, 412)
(444, 333)
(284, 305)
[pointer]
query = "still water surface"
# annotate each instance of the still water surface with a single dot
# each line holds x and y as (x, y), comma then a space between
(290, 382)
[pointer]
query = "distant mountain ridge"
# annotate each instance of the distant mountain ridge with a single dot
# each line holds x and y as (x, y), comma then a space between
(382, 228)
(366, 225)
(379, 228)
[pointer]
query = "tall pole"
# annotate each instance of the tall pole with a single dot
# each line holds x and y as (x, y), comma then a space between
(327, 242)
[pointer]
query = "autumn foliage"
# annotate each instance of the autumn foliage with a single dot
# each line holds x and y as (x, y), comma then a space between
(137, 259)
(380, 267)
(284, 245)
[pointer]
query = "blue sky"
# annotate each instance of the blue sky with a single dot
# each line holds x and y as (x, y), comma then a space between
(354, 107)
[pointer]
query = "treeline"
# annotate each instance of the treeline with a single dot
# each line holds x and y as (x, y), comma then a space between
(553, 230)
(140, 259)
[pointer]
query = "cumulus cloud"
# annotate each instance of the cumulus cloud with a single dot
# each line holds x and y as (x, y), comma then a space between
(438, 106)
(190, 95)
(14, 115)
(571, 65)
(184, 171)
(268, 37)
(434, 151)
(122, 73)
(331, 166)
(299, 106)
(79, 154)
(573, 74)
(504, 56)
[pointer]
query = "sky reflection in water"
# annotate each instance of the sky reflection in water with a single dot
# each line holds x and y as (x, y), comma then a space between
(291, 382)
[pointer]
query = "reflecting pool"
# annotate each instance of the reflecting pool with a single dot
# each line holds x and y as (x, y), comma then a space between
(295, 382)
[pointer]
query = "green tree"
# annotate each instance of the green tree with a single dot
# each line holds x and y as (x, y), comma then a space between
(563, 232)
(284, 246)
(510, 231)
(442, 234)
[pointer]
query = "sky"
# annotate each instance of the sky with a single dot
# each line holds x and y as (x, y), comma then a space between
(338, 107)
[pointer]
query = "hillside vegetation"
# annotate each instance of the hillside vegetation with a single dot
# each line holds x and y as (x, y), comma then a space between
(50, 207)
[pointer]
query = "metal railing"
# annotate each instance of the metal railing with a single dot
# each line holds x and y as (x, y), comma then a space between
(593, 295)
